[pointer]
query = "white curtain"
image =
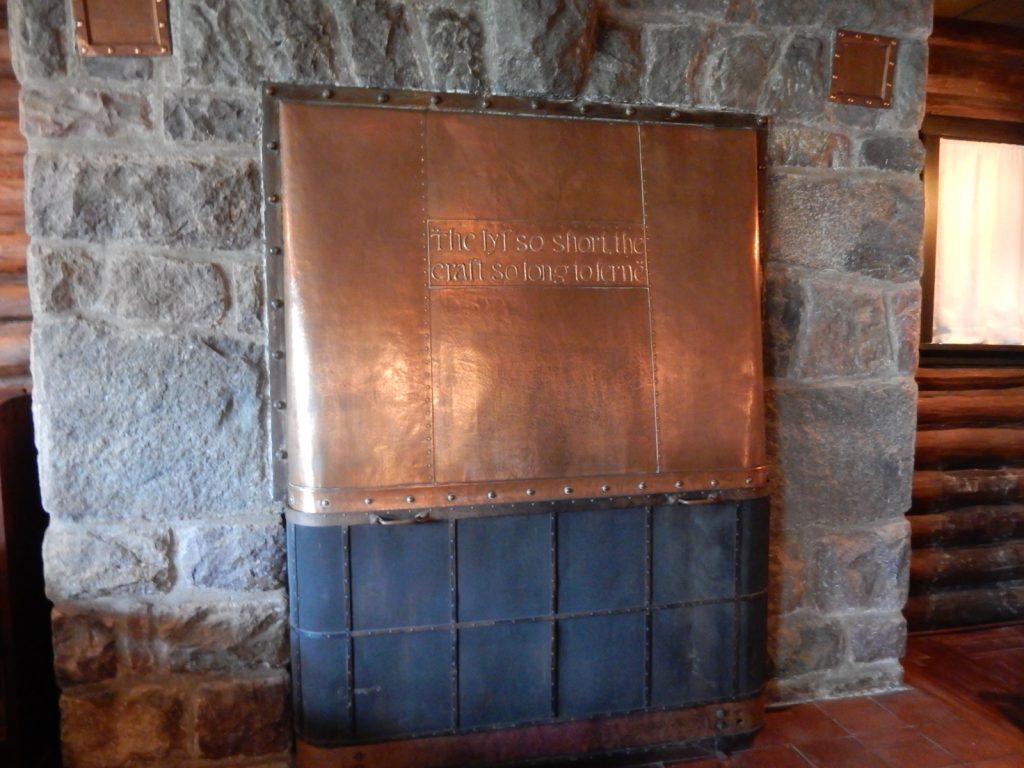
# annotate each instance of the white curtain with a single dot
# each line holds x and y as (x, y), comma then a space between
(979, 248)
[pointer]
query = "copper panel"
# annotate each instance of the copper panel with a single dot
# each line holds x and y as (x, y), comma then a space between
(541, 387)
(122, 27)
(653, 731)
(485, 309)
(486, 167)
(863, 68)
(358, 350)
(701, 193)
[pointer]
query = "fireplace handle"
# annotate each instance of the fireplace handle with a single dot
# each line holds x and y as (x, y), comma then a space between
(421, 517)
(713, 498)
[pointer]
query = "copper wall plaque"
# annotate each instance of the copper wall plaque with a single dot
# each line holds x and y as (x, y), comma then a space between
(494, 302)
(122, 27)
(863, 68)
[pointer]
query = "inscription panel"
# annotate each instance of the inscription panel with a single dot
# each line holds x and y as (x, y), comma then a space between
(499, 308)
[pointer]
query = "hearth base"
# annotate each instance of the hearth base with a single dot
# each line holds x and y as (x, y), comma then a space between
(623, 740)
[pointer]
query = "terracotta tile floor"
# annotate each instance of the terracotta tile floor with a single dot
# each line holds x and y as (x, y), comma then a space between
(964, 706)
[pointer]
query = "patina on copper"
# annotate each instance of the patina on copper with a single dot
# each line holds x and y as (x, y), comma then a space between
(863, 68)
(122, 27)
(489, 302)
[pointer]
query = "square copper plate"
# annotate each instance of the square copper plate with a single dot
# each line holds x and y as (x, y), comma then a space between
(122, 27)
(863, 68)
(490, 303)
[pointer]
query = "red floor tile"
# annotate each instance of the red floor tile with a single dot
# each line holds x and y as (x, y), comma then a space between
(1012, 761)
(971, 741)
(908, 747)
(797, 725)
(861, 715)
(916, 707)
(838, 753)
(769, 757)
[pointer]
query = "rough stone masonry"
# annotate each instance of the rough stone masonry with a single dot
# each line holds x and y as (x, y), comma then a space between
(165, 555)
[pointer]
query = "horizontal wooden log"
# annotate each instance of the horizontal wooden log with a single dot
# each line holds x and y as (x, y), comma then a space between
(14, 348)
(971, 407)
(935, 489)
(965, 607)
(968, 378)
(967, 526)
(932, 568)
(963, 447)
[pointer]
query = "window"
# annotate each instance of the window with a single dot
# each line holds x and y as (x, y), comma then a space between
(974, 240)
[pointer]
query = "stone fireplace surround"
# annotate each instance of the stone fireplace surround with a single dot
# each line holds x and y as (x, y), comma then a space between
(165, 556)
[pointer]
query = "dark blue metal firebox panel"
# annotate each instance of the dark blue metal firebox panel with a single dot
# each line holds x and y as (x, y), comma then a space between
(485, 622)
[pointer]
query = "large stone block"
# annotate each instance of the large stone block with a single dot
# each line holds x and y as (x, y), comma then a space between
(806, 642)
(617, 64)
(733, 68)
(784, 312)
(239, 556)
(845, 331)
(85, 113)
(455, 48)
(219, 636)
(863, 569)
(120, 68)
(877, 16)
(905, 323)
(801, 147)
(848, 679)
(63, 279)
(84, 644)
(247, 299)
(844, 452)
(378, 35)
(668, 53)
(38, 38)
(832, 221)
(132, 427)
(893, 153)
(787, 567)
(111, 560)
(164, 290)
(201, 117)
(209, 204)
(245, 42)
(242, 717)
(876, 637)
(110, 729)
(543, 46)
(799, 84)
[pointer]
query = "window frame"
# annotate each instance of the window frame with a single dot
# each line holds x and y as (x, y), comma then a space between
(934, 128)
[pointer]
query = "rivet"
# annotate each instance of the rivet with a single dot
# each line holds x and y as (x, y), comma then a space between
(530, 492)
(714, 483)
(410, 499)
(138, 51)
(273, 198)
(382, 98)
(641, 486)
(583, 109)
(605, 488)
(84, 49)
(273, 146)
(719, 713)
(485, 103)
(270, 91)
(679, 483)
(892, 63)
(325, 503)
(279, 405)
(326, 93)
(278, 354)
(163, 49)
(673, 114)
(276, 303)
(859, 36)
(567, 490)
(110, 50)
(629, 111)
(492, 495)
(79, 24)
(835, 77)
(367, 501)
(435, 99)
(535, 104)
(162, 25)
(291, 500)
(451, 497)
(282, 454)
(749, 481)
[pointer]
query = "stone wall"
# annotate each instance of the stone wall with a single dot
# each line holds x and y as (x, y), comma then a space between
(165, 555)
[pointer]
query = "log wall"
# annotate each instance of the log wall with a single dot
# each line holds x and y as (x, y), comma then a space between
(967, 519)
